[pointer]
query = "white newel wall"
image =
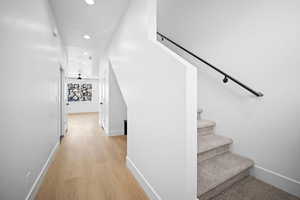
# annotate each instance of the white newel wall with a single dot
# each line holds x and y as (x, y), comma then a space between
(159, 89)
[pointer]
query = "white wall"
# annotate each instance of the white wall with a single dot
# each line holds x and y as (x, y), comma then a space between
(84, 106)
(80, 62)
(159, 89)
(258, 43)
(118, 107)
(114, 109)
(29, 125)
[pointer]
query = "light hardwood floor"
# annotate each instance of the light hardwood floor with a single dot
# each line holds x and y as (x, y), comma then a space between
(90, 166)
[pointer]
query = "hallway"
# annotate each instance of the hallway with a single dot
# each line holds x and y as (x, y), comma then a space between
(90, 166)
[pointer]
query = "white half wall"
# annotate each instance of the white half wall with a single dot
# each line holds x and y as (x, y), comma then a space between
(258, 43)
(159, 89)
(84, 106)
(30, 58)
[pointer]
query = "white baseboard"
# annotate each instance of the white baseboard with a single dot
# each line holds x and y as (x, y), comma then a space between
(116, 132)
(35, 187)
(149, 190)
(282, 182)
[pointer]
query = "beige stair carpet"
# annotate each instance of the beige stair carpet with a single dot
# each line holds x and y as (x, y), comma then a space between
(220, 172)
(205, 127)
(212, 145)
(253, 189)
(209, 142)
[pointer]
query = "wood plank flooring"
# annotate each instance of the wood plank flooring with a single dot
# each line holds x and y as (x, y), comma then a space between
(90, 166)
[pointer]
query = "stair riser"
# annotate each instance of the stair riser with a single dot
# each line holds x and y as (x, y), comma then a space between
(205, 131)
(224, 186)
(212, 153)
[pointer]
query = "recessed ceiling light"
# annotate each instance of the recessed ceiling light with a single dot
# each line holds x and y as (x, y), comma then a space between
(90, 2)
(87, 37)
(85, 53)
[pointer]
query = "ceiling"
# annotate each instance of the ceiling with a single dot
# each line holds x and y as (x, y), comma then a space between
(76, 18)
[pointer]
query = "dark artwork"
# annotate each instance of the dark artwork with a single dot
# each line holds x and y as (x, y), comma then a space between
(79, 92)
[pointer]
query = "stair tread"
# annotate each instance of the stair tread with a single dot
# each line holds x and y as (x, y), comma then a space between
(204, 123)
(219, 169)
(210, 142)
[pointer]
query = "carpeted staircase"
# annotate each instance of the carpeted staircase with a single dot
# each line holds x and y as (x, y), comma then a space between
(218, 168)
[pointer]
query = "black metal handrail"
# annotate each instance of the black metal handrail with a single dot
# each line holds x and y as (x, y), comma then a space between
(226, 76)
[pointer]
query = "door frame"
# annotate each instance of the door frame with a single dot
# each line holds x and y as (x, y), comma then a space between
(62, 110)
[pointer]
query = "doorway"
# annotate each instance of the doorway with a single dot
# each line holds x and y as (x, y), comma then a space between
(63, 125)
